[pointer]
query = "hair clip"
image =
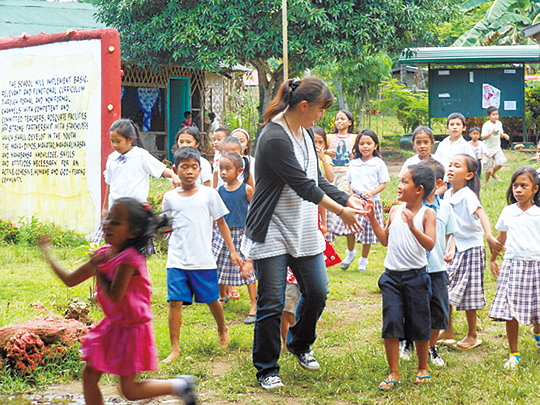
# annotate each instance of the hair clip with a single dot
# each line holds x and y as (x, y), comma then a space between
(147, 206)
(294, 84)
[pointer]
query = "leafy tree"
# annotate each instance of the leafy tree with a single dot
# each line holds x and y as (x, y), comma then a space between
(501, 23)
(212, 33)
(411, 107)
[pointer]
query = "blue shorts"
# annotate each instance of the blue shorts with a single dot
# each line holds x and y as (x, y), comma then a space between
(183, 285)
(439, 306)
(406, 296)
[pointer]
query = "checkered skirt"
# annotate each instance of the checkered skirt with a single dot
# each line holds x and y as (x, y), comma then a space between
(466, 276)
(518, 292)
(336, 225)
(228, 273)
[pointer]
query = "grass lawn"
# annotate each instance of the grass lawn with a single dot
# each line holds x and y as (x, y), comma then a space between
(349, 346)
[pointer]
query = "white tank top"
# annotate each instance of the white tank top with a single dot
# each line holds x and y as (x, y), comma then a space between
(404, 251)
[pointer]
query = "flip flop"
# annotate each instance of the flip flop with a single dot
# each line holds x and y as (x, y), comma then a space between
(447, 342)
(235, 295)
(423, 379)
(467, 346)
(390, 384)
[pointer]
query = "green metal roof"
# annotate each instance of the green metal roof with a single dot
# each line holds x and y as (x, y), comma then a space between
(34, 17)
(472, 54)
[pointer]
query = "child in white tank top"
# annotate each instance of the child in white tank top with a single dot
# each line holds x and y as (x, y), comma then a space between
(405, 285)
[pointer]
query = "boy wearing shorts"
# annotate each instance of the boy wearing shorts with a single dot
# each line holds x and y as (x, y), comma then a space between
(191, 268)
(492, 131)
(405, 283)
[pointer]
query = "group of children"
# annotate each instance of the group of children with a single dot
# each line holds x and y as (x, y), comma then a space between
(440, 213)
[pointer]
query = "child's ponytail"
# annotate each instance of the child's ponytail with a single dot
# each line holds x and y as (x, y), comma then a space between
(129, 130)
(472, 167)
(141, 217)
(246, 168)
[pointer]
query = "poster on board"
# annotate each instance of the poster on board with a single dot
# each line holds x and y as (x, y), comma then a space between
(53, 112)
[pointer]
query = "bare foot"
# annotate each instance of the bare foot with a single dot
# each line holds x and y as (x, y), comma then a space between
(446, 335)
(468, 343)
(171, 357)
(224, 339)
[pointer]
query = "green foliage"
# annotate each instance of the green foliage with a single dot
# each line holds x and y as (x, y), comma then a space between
(215, 33)
(28, 232)
(411, 107)
(501, 23)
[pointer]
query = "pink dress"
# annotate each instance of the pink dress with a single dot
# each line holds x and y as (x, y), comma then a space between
(123, 342)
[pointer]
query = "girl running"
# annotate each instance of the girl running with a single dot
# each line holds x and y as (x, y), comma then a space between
(123, 342)
(518, 280)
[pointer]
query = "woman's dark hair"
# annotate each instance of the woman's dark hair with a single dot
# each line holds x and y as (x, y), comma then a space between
(423, 130)
(247, 151)
(194, 132)
(322, 133)
(472, 167)
(142, 219)
(533, 175)
(423, 176)
(311, 89)
(129, 130)
(350, 117)
(239, 161)
(365, 132)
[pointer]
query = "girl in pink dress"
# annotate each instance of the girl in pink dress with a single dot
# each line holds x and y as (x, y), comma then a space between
(123, 342)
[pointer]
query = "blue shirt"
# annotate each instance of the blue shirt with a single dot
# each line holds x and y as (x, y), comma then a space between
(446, 225)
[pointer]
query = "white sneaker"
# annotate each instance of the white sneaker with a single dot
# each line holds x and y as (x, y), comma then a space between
(405, 350)
(345, 263)
(435, 357)
(511, 363)
(270, 382)
(362, 264)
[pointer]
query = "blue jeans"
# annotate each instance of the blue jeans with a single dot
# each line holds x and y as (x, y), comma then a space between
(310, 272)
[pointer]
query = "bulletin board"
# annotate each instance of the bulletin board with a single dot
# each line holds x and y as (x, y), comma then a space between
(462, 90)
(59, 94)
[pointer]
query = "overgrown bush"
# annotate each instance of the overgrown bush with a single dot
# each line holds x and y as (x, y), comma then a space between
(411, 108)
(28, 232)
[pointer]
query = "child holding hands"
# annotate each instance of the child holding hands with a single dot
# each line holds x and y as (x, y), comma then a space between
(123, 342)
(405, 283)
(518, 280)
(191, 268)
(466, 271)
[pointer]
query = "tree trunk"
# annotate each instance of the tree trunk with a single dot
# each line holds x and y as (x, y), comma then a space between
(267, 89)
(342, 101)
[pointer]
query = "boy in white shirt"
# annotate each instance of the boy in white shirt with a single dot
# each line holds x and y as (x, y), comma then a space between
(191, 268)
(452, 145)
(492, 131)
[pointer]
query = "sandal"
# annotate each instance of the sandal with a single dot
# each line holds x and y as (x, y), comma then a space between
(234, 294)
(223, 301)
(250, 319)
(423, 379)
(390, 384)
(536, 340)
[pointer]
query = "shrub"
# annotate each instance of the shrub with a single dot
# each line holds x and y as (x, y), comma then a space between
(28, 232)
